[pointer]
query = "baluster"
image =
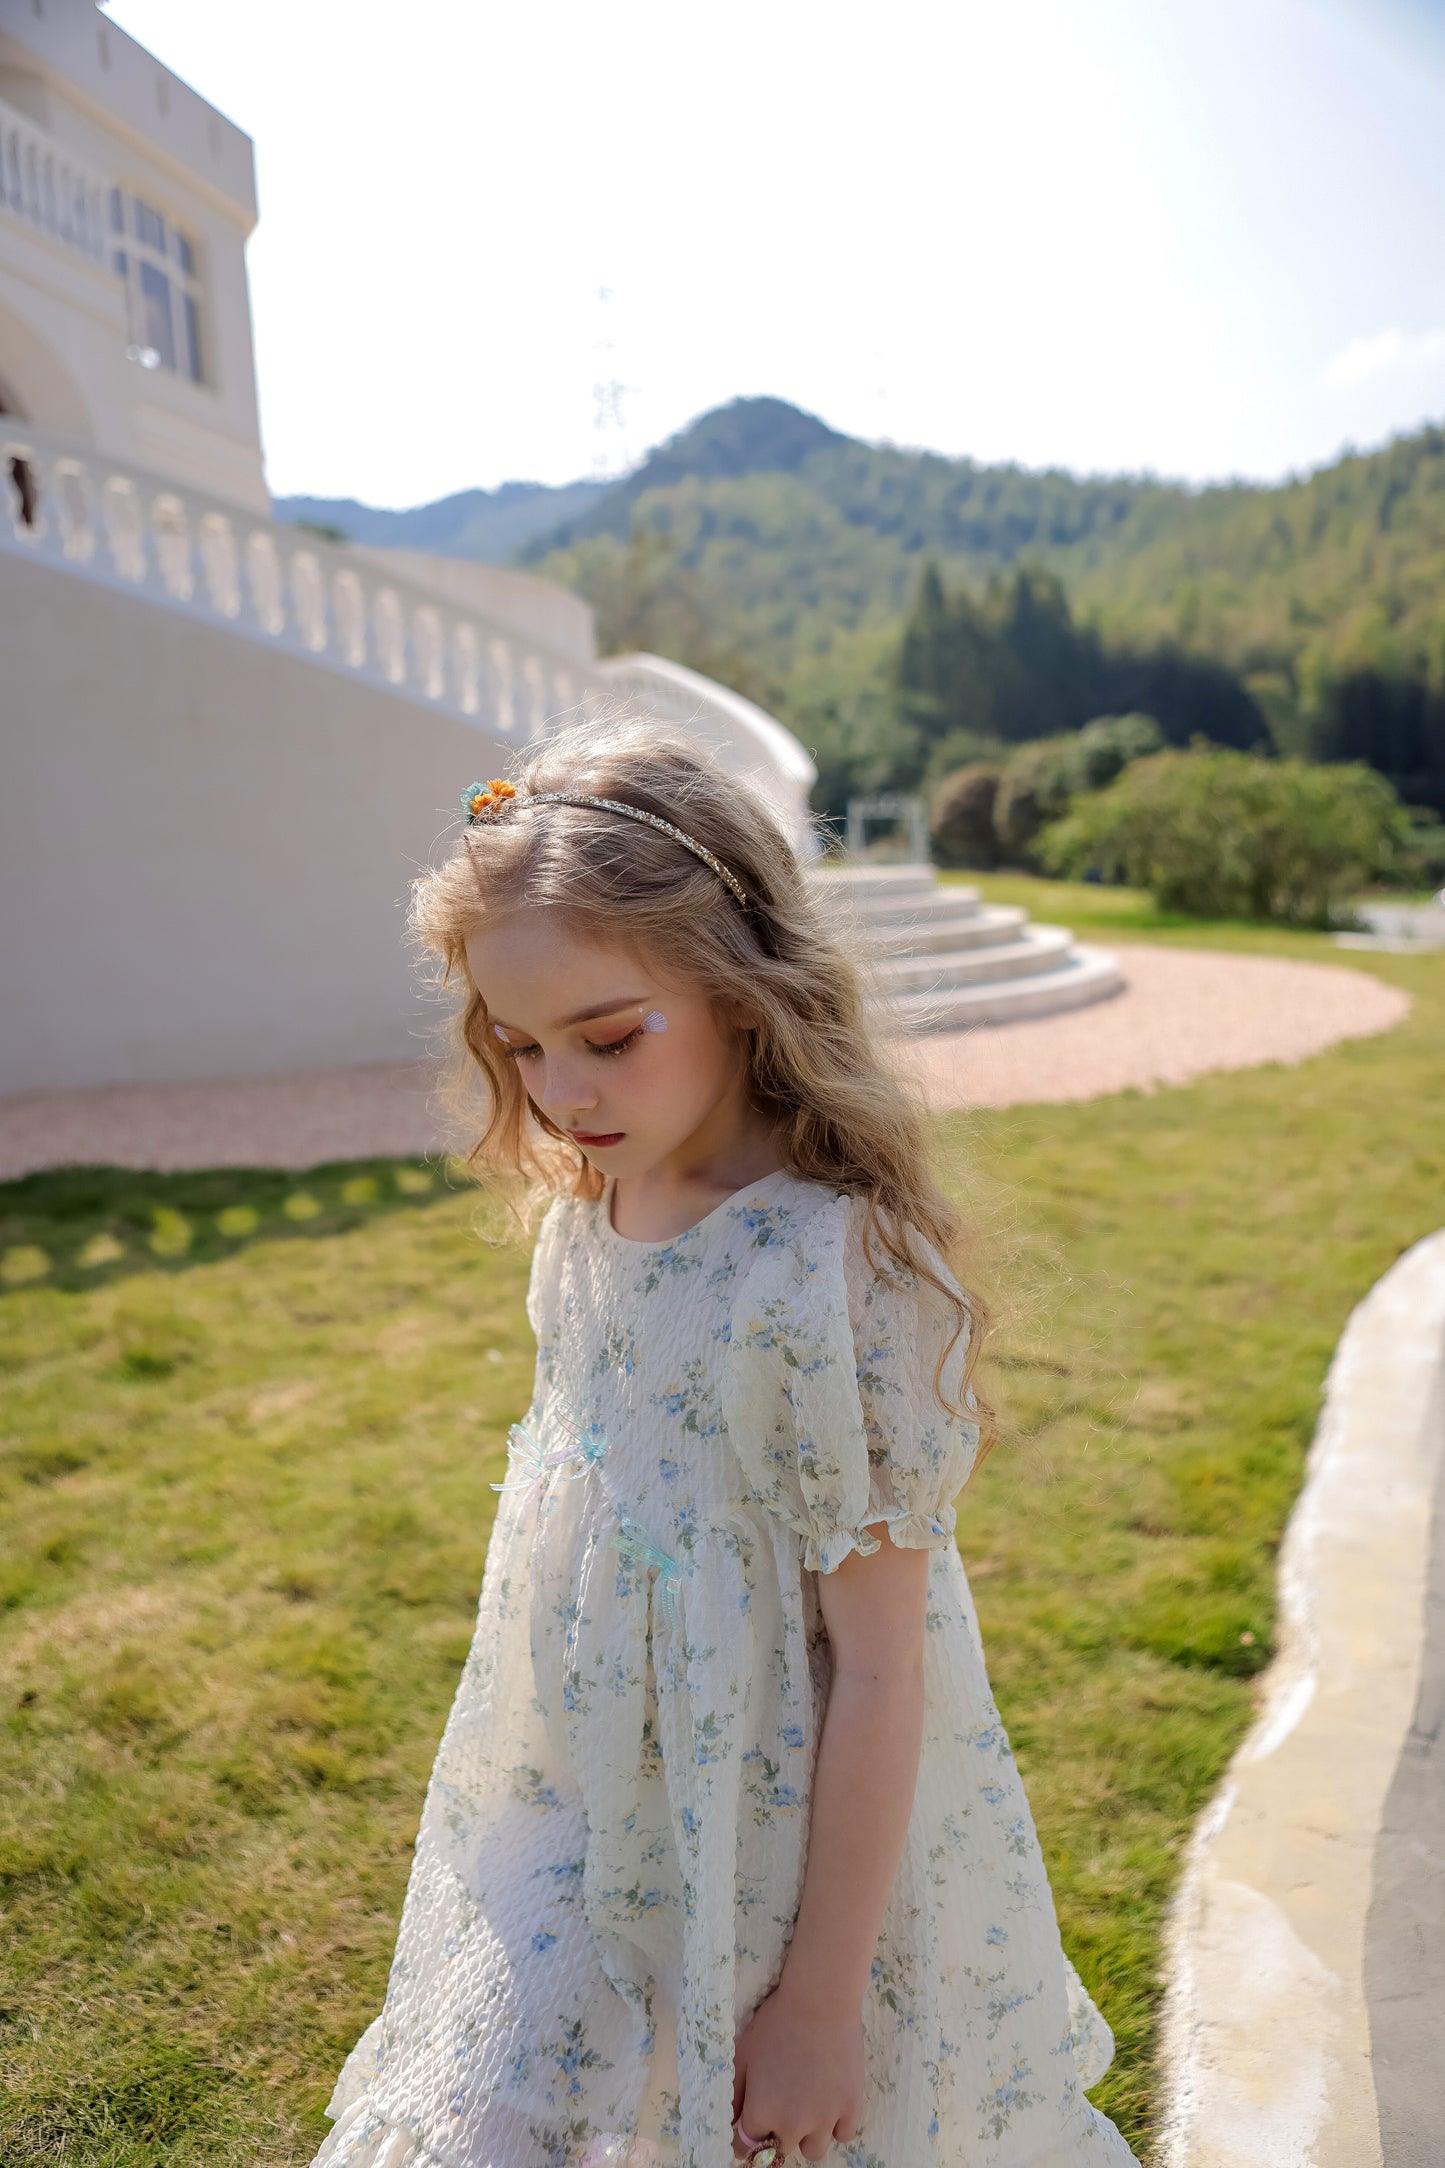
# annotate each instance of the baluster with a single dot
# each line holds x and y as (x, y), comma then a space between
(427, 651)
(536, 698)
(221, 564)
(390, 631)
(172, 534)
(263, 577)
(125, 530)
(74, 501)
(503, 698)
(466, 667)
(349, 609)
(308, 600)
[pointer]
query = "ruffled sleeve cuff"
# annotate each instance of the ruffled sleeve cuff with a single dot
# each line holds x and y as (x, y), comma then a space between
(825, 1552)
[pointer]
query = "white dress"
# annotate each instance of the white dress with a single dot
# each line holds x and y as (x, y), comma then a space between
(612, 1847)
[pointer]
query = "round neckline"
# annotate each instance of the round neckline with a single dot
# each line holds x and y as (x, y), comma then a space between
(661, 1242)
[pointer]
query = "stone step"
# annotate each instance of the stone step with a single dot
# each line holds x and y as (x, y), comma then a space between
(1037, 949)
(950, 904)
(974, 927)
(874, 888)
(945, 960)
(1086, 975)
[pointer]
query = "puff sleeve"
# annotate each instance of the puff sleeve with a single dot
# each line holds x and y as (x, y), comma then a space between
(827, 1391)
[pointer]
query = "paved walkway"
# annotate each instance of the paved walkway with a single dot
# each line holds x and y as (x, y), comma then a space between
(1307, 1965)
(1183, 1012)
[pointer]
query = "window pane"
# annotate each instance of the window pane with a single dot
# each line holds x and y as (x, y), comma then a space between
(118, 259)
(185, 254)
(193, 339)
(155, 289)
(117, 211)
(150, 227)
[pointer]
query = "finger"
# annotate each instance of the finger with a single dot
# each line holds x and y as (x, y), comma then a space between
(815, 2145)
(845, 2129)
(758, 2120)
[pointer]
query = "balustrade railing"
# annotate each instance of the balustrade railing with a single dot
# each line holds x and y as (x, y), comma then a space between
(115, 523)
(108, 521)
(48, 187)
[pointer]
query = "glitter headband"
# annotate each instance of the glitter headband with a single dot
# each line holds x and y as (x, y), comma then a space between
(480, 802)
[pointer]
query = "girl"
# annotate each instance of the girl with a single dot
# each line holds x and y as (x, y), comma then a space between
(724, 1853)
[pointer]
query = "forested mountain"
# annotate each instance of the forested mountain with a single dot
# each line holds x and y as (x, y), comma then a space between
(1318, 604)
(787, 560)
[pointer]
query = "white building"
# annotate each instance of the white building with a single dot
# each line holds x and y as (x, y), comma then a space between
(227, 746)
(124, 316)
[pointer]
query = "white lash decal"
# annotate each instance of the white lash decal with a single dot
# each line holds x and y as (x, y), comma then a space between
(501, 1034)
(653, 1021)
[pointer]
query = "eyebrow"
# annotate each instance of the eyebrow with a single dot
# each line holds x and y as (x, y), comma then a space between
(584, 1016)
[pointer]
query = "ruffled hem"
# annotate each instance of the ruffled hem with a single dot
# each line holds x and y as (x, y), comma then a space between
(362, 2138)
(907, 1531)
(365, 2138)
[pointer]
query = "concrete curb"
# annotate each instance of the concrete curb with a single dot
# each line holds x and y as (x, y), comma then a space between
(1277, 1970)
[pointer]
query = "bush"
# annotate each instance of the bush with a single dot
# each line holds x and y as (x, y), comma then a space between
(1105, 747)
(1036, 787)
(960, 817)
(1225, 835)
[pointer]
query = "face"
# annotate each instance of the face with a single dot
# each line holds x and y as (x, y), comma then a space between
(646, 1074)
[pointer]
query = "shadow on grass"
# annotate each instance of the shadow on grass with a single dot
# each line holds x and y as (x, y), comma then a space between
(76, 1228)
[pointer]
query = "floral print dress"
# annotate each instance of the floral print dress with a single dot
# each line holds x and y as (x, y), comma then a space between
(612, 1847)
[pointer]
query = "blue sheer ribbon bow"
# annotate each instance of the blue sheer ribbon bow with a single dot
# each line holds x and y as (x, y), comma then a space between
(537, 1462)
(636, 1547)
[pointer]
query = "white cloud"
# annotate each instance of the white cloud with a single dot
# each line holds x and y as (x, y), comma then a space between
(1385, 353)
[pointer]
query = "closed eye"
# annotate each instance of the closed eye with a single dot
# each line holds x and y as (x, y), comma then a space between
(618, 1046)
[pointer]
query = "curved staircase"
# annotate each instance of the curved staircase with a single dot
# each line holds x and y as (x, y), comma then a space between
(947, 960)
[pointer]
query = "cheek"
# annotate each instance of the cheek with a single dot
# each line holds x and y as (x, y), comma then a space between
(680, 1063)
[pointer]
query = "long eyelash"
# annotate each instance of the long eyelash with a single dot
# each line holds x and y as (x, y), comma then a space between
(618, 1046)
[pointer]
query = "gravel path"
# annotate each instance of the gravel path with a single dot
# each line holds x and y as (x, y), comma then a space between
(1184, 1012)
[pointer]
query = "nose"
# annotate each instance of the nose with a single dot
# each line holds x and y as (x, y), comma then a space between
(566, 1089)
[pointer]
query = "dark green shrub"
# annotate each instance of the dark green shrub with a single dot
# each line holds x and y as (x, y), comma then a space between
(1105, 747)
(1225, 835)
(960, 818)
(1036, 787)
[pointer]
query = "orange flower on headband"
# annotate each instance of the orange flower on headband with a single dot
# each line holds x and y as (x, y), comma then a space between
(477, 798)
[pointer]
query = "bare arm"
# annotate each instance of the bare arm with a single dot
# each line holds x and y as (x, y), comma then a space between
(799, 2067)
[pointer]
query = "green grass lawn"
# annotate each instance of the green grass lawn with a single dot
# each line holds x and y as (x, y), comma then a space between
(248, 1425)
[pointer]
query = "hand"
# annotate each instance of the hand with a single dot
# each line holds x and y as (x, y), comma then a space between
(798, 2072)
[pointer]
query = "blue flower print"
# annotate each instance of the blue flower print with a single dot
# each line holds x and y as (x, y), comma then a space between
(1001, 2105)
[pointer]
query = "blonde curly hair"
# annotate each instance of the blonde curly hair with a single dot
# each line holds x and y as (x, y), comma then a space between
(816, 1067)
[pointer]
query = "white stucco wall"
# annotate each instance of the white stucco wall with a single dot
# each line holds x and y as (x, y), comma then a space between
(205, 846)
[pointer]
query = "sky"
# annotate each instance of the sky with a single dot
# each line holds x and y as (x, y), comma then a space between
(1203, 238)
